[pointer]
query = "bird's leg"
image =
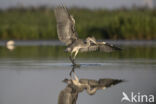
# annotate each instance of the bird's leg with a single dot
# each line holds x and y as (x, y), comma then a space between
(75, 54)
(72, 60)
(73, 70)
(75, 80)
(74, 64)
(76, 77)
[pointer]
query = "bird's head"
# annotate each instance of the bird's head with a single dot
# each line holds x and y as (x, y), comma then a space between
(91, 39)
(67, 81)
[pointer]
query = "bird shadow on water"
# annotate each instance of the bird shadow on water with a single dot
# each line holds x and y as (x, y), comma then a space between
(75, 85)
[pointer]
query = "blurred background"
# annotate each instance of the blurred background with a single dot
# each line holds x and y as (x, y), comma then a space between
(33, 62)
(108, 19)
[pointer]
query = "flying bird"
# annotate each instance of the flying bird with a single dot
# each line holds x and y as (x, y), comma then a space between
(67, 34)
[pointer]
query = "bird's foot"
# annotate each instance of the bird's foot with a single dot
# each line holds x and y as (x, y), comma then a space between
(71, 59)
(70, 74)
(73, 68)
(76, 65)
(73, 62)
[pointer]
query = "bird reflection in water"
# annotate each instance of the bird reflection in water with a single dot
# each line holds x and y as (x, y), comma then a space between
(75, 86)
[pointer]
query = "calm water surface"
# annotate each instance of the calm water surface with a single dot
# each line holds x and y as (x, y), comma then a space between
(34, 74)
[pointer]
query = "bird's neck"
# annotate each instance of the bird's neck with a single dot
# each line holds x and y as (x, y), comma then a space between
(91, 91)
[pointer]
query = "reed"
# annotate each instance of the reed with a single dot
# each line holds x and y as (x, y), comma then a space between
(40, 24)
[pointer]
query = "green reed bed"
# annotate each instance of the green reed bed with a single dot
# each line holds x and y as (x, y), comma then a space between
(40, 24)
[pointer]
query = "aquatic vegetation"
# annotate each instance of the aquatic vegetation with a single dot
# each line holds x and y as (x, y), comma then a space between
(40, 24)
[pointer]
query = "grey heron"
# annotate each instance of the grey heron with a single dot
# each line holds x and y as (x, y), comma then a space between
(75, 86)
(67, 34)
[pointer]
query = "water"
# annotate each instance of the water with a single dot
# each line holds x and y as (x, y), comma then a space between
(34, 74)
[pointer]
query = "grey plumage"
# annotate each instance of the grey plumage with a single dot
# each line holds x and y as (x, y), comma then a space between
(67, 34)
(65, 26)
(65, 96)
(68, 95)
(100, 47)
(101, 82)
(75, 86)
(92, 85)
(109, 82)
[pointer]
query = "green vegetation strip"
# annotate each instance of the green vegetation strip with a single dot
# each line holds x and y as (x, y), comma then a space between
(40, 24)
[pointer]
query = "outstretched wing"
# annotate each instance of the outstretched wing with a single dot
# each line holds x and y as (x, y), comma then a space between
(101, 82)
(104, 47)
(65, 25)
(109, 82)
(90, 82)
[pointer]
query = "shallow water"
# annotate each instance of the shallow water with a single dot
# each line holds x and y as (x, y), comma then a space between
(34, 74)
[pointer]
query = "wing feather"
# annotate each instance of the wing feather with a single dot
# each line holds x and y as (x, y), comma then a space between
(101, 83)
(109, 82)
(100, 47)
(65, 25)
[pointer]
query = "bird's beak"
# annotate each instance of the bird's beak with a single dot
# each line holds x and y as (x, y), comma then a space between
(66, 81)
